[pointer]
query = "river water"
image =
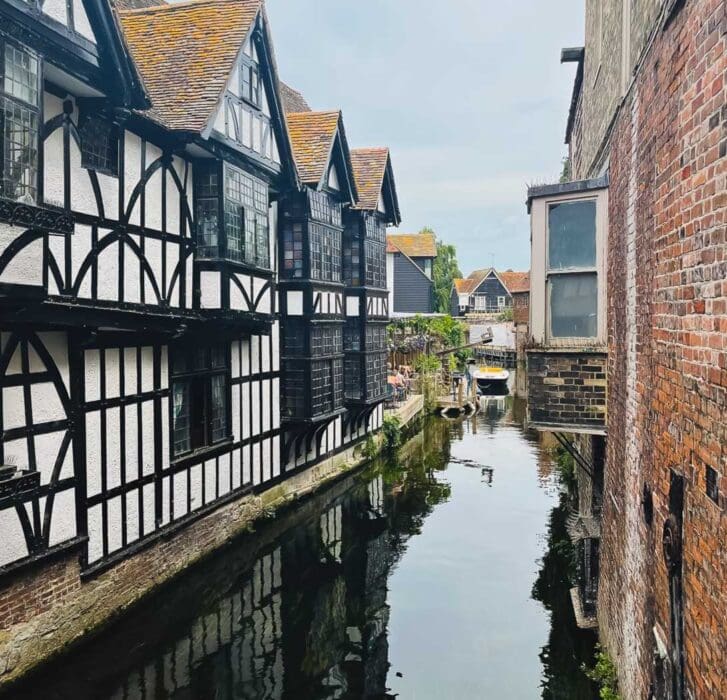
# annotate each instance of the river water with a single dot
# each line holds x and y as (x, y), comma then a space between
(439, 573)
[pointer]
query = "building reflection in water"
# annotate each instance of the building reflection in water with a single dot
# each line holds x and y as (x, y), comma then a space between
(297, 610)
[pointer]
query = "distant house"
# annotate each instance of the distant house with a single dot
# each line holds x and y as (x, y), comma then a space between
(409, 260)
(487, 291)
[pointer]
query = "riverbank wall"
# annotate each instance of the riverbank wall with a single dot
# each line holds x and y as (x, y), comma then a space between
(45, 610)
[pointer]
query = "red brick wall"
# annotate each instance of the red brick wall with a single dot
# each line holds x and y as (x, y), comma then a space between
(667, 374)
(521, 307)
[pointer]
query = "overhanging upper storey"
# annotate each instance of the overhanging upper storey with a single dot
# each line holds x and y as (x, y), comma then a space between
(567, 345)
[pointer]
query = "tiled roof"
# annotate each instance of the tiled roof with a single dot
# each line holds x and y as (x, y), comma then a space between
(293, 101)
(415, 245)
(515, 281)
(185, 53)
(390, 247)
(136, 4)
(463, 286)
(369, 168)
(311, 135)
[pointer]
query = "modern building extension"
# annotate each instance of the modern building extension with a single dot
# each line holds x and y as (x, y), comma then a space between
(192, 283)
(627, 356)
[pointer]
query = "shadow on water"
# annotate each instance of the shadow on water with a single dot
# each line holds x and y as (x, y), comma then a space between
(310, 606)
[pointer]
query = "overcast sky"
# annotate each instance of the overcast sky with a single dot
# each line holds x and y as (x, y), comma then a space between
(468, 94)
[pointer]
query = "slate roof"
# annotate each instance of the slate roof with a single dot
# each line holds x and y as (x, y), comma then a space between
(311, 135)
(293, 101)
(516, 282)
(185, 53)
(415, 245)
(369, 168)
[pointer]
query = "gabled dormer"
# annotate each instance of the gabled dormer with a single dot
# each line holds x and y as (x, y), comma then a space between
(210, 72)
(375, 182)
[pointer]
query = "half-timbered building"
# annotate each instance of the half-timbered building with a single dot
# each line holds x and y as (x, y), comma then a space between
(144, 156)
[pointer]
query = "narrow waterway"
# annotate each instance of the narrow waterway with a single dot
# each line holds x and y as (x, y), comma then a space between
(437, 574)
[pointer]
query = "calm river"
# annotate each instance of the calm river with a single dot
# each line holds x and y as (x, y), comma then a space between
(438, 574)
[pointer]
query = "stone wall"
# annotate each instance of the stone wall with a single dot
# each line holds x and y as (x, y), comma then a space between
(667, 373)
(566, 389)
(46, 609)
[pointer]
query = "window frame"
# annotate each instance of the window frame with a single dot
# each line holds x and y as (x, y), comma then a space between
(114, 133)
(199, 383)
(541, 274)
(34, 110)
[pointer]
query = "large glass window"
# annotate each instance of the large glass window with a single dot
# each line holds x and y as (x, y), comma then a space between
(99, 145)
(200, 380)
(352, 256)
(572, 274)
(293, 250)
(19, 123)
(245, 225)
(375, 264)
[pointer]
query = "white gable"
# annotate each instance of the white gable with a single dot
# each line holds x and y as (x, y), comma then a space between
(333, 181)
(381, 206)
(77, 21)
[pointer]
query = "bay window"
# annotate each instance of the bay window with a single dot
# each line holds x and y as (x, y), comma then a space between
(200, 412)
(19, 123)
(232, 221)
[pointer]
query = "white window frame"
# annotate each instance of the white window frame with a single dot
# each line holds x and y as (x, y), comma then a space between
(501, 303)
(541, 275)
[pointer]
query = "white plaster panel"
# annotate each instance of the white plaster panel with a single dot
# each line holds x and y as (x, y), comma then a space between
(113, 447)
(189, 289)
(246, 466)
(132, 171)
(56, 343)
(235, 359)
(115, 524)
(53, 167)
(167, 496)
(180, 495)
(93, 453)
(26, 266)
(95, 533)
(57, 248)
(13, 407)
(165, 437)
(63, 518)
(266, 463)
(80, 249)
(245, 412)
(245, 352)
(47, 404)
(14, 547)
(153, 253)
(295, 303)
(92, 374)
(265, 353)
(16, 453)
(113, 372)
(148, 501)
(172, 262)
(147, 437)
(164, 367)
(130, 376)
(109, 187)
(196, 486)
(237, 299)
(225, 485)
(352, 306)
(276, 404)
(132, 273)
(255, 353)
(83, 198)
(147, 368)
(173, 204)
(132, 516)
(275, 339)
(266, 424)
(108, 272)
(210, 287)
(80, 21)
(210, 476)
(276, 456)
(153, 195)
(34, 362)
(47, 447)
(255, 406)
(236, 470)
(256, 465)
(131, 451)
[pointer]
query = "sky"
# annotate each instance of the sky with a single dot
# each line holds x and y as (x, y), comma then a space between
(469, 95)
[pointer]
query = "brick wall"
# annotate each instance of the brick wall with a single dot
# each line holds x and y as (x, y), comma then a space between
(521, 307)
(667, 373)
(567, 388)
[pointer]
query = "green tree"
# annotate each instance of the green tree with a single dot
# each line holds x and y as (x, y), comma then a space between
(444, 270)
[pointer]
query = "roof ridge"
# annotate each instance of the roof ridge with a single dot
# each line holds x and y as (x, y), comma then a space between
(167, 6)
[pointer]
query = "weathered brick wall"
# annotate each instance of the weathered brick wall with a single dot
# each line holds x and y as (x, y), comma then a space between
(567, 388)
(521, 307)
(667, 374)
(603, 86)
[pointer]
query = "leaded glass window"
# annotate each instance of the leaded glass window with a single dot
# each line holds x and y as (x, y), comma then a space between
(19, 123)
(325, 253)
(326, 339)
(352, 335)
(324, 208)
(293, 250)
(208, 210)
(294, 394)
(376, 338)
(375, 253)
(352, 256)
(376, 376)
(375, 228)
(246, 218)
(352, 378)
(200, 380)
(99, 145)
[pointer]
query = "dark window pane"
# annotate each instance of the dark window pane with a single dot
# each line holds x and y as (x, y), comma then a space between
(19, 152)
(99, 145)
(218, 408)
(20, 78)
(180, 418)
(574, 305)
(572, 235)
